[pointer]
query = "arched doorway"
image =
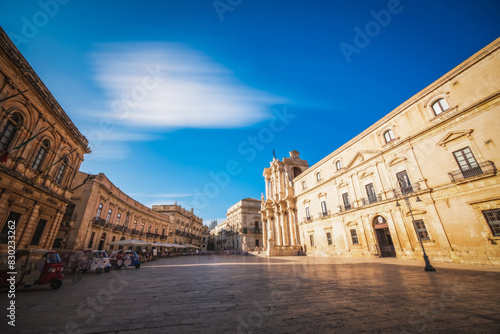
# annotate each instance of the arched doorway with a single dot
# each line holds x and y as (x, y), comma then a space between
(383, 237)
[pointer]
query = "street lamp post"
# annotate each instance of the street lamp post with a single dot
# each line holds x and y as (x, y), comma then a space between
(402, 184)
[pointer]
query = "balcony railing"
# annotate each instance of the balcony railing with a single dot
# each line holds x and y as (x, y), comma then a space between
(324, 214)
(98, 221)
(371, 200)
(345, 207)
(163, 237)
(257, 230)
(408, 189)
(485, 167)
(308, 219)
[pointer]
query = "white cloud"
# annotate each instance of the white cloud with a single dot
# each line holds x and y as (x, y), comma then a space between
(170, 85)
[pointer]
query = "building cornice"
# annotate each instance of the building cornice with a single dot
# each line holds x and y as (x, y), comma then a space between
(19, 62)
(469, 62)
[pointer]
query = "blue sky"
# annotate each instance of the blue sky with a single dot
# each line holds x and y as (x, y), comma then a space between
(186, 100)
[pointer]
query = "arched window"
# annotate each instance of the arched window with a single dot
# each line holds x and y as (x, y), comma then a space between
(389, 136)
(9, 130)
(440, 106)
(41, 154)
(318, 176)
(304, 185)
(61, 171)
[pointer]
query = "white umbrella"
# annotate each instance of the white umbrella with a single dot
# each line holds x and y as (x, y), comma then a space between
(191, 246)
(131, 243)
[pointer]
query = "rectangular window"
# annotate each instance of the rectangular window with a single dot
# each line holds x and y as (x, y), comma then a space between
(370, 192)
(323, 209)
(354, 237)
(118, 218)
(37, 163)
(308, 214)
(421, 230)
(404, 182)
(99, 210)
(311, 239)
(329, 238)
(60, 174)
(12, 221)
(38, 232)
(493, 219)
(467, 163)
(108, 218)
(345, 199)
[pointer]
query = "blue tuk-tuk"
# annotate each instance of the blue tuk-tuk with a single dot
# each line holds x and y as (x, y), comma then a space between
(124, 259)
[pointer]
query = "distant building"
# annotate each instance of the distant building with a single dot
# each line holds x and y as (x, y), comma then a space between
(186, 226)
(426, 171)
(40, 152)
(212, 225)
(101, 213)
(244, 223)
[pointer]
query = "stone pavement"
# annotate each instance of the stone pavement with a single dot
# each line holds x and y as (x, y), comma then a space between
(246, 294)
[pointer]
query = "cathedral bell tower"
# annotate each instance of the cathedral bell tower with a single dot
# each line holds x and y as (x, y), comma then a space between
(278, 209)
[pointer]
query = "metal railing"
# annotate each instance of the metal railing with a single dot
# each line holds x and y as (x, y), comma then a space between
(371, 199)
(98, 221)
(484, 167)
(345, 207)
(324, 214)
(408, 189)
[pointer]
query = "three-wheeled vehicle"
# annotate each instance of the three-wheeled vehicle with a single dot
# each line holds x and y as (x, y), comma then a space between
(87, 260)
(124, 258)
(33, 267)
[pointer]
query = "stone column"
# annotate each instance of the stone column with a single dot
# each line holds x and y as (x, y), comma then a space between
(264, 233)
(28, 228)
(293, 229)
(53, 231)
(284, 225)
(277, 230)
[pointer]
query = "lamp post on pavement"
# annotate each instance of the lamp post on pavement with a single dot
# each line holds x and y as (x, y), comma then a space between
(402, 185)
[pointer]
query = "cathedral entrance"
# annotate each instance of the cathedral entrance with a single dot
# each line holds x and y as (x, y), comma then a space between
(384, 237)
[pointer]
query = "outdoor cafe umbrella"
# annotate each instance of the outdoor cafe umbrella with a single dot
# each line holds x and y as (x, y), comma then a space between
(191, 246)
(131, 243)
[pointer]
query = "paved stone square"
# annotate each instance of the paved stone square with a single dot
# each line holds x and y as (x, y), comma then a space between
(247, 294)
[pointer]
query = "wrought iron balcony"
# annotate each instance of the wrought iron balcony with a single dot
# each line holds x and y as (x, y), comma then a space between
(257, 230)
(135, 232)
(163, 237)
(408, 189)
(98, 221)
(324, 214)
(371, 200)
(345, 207)
(483, 168)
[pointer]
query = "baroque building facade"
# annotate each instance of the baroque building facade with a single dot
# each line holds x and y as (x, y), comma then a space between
(426, 171)
(244, 221)
(40, 153)
(101, 213)
(187, 228)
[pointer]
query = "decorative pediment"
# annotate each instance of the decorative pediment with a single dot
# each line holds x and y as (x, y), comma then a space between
(415, 212)
(454, 135)
(321, 194)
(365, 173)
(396, 161)
(306, 201)
(360, 157)
(342, 184)
(351, 224)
